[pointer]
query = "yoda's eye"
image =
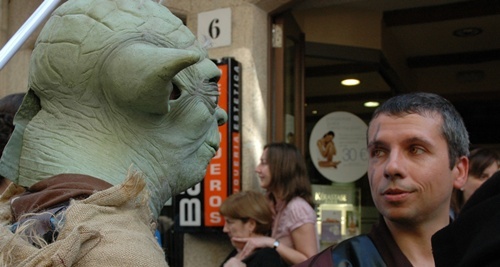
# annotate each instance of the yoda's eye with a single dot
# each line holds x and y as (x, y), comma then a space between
(211, 89)
(214, 94)
(176, 92)
(214, 79)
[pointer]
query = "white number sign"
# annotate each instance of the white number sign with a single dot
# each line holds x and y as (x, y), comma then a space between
(215, 26)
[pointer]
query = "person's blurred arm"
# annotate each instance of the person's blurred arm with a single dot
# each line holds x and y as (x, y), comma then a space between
(304, 238)
(306, 245)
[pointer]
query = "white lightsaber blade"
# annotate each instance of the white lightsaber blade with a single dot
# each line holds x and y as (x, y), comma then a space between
(18, 39)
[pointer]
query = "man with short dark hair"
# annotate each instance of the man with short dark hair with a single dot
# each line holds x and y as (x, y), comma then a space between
(418, 148)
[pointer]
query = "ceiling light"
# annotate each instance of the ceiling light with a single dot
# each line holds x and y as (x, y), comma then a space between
(314, 112)
(371, 104)
(350, 82)
(467, 32)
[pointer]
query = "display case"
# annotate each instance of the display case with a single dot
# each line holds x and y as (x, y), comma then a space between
(339, 212)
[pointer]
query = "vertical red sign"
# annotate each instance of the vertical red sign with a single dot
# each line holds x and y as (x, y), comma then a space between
(216, 178)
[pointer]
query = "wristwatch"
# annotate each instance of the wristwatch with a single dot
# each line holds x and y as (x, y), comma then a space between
(276, 244)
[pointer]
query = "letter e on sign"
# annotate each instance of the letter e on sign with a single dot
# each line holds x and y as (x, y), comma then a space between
(215, 27)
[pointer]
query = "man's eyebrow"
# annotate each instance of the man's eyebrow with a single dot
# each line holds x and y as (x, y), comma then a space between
(413, 140)
(375, 143)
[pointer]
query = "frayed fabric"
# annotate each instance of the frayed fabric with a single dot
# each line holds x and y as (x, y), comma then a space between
(113, 227)
(11, 192)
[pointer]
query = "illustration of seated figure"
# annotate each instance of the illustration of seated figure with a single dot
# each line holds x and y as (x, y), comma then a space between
(327, 150)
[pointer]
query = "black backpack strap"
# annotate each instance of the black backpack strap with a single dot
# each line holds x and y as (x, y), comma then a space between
(357, 251)
(324, 258)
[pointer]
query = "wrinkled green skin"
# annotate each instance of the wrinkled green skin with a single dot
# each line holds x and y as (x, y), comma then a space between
(115, 84)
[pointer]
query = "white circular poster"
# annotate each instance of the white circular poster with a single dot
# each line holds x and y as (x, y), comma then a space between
(338, 147)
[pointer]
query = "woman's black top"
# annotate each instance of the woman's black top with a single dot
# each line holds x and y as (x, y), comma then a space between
(263, 257)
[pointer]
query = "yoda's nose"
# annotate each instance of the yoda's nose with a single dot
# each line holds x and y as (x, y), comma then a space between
(220, 116)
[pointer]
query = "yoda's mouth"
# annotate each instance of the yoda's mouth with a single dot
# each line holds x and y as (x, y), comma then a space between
(212, 147)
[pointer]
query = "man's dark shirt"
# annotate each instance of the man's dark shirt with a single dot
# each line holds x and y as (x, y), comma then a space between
(376, 249)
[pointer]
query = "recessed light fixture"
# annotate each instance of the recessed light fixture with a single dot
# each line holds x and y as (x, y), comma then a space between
(350, 82)
(371, 104)
(467, 32)
(314, 112)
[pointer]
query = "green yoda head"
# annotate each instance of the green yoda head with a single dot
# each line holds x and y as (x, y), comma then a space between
(114, 84)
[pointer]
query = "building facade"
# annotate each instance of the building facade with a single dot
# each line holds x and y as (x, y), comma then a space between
(359, 33)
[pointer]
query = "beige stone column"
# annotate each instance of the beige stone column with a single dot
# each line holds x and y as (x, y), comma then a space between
(250, 38)
(249, 46)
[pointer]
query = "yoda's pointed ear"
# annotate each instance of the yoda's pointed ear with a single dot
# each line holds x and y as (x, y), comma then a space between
(140, 76)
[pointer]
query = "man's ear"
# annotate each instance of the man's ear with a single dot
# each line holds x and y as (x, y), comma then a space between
(460, 172)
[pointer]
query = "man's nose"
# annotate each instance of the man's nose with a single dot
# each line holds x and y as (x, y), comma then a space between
(394, 165)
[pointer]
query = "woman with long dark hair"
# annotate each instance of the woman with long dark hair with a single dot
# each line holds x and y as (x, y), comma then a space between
(282, 173)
